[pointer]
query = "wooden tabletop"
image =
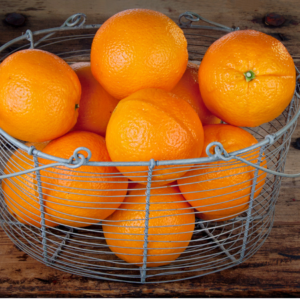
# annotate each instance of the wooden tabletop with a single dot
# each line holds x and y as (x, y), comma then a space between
(274, 270)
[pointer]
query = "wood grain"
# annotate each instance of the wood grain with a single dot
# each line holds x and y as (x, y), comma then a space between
(273, 271)
(244, 14)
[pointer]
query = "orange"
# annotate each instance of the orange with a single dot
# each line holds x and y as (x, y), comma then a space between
(188, 89)
(137, 49)
(221, 190)
(96, 104)
(21, 192)
(171, 225)
(83, 196)
(247, 78)
(39, 96)
(154, 124)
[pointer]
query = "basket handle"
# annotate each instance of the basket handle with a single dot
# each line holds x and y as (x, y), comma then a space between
(193, 17)
(222, 154)
(74, 162)
(76, 20)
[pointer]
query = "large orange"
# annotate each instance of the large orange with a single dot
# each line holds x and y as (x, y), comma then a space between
(96, 104)
(39, 96)
(21, 192)
(170, 229)
(221, 190)
(137, 49)
(247, 78)
(188, 89)
(83, 196)
(154, 124)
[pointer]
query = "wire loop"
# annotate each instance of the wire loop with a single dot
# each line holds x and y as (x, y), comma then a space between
(220, 152)
(190, 16)
(79, 157)
(193, 17)
(29, 37)
(76, 20)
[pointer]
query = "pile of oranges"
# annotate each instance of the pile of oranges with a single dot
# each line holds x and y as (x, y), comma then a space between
(139, 98)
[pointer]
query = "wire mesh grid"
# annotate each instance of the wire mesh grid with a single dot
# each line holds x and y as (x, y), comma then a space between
(88, 220)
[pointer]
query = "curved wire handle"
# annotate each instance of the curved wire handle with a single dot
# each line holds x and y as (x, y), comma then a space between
(77, 158)
(221, 154)
(75, 20)
(193, 17)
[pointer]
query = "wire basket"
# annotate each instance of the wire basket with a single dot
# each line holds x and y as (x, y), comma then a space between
(197, 245)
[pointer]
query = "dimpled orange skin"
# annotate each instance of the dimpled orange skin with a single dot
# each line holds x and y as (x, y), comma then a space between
(223, 86)
(39, 93)
(188, 89)
(154, 124)
(96, 104)
(81, 197)
(174, 216)
(137, 49)
(20, 192)
(212, 189)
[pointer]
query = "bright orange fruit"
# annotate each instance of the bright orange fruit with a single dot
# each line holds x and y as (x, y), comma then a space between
(96, 104)
(137, 49)
(83, 196)
(188, 89)
(171, 226)
(221, 190)
(247, 78)
(39, 96)
(21, 192)
(154, 124)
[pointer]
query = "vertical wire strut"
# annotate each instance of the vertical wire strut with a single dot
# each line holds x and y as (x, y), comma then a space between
(249, 211)
(41, 201)
(147, 212)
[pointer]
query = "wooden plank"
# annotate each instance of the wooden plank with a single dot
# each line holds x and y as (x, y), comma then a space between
(272, 271)
(245, 14)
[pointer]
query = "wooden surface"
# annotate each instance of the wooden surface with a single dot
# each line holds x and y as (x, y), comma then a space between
(273, 271)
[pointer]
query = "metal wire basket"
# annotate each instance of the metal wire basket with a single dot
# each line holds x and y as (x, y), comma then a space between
(190, 248)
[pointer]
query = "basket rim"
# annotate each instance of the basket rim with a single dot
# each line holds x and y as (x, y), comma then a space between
(268, 140)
